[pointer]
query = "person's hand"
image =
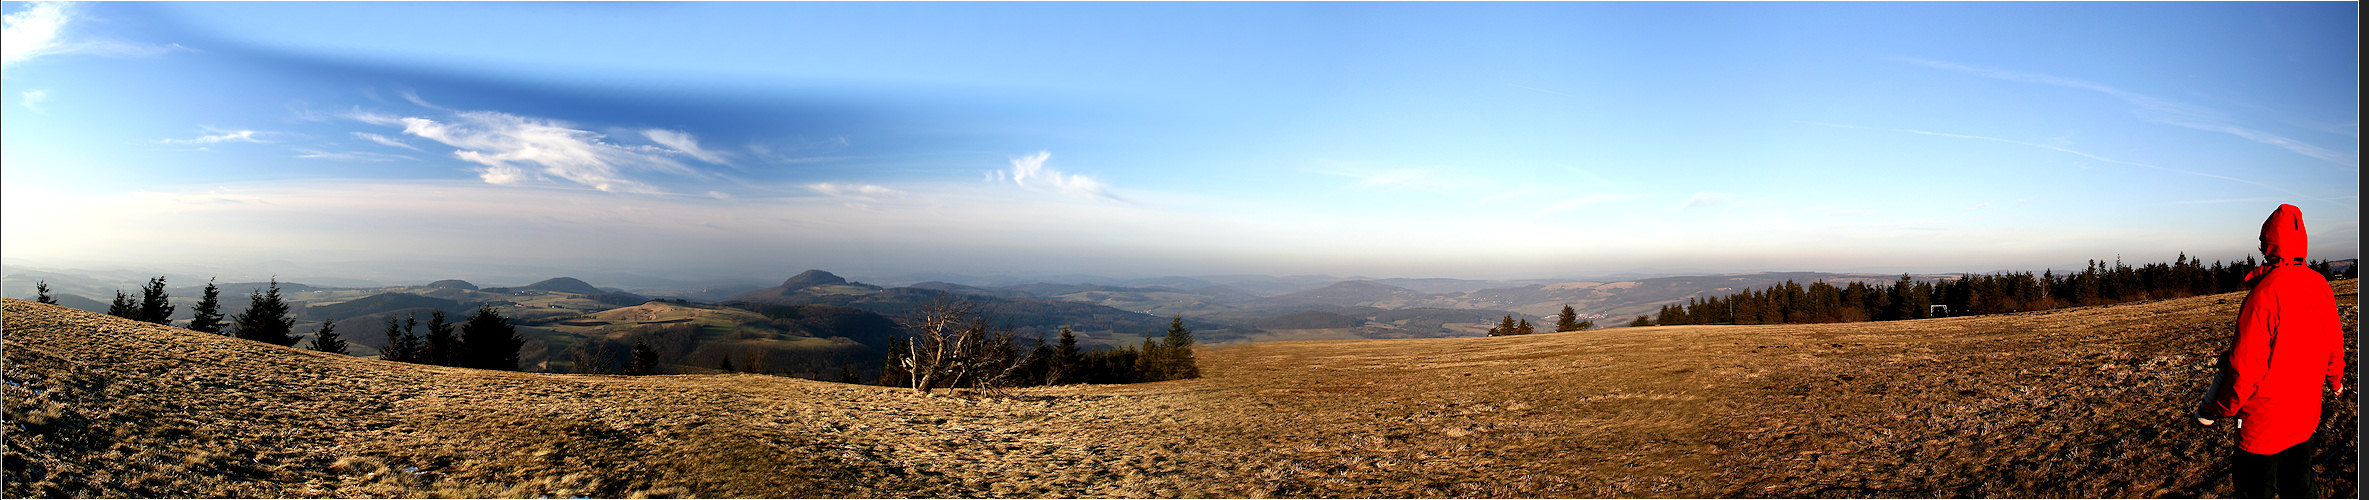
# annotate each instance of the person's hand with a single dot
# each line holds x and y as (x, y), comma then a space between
(2202, 418)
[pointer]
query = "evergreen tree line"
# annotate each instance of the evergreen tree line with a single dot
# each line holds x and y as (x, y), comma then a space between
(1568, 321)
(1565, 321)
(1511, 326)
(486, 340)
(267, 318)
(648, 350)
(640, 351)
(2098, 284)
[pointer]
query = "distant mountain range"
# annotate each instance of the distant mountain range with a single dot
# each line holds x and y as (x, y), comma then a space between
(1029, 314)
(1104, 311)
(1390, 308)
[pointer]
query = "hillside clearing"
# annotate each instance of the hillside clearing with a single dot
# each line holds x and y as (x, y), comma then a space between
(2073, 403)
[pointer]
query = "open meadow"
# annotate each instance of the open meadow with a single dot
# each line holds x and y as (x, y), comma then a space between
(2085, 402)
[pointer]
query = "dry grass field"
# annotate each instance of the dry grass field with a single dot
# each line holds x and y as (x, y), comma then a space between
(2075, 403)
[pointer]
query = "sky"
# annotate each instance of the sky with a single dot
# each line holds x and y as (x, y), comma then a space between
(1473, 140)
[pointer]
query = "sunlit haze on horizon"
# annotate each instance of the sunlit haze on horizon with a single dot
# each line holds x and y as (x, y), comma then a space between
(1474, 140)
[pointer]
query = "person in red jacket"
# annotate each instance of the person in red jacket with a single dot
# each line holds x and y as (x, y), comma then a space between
(2288, 343)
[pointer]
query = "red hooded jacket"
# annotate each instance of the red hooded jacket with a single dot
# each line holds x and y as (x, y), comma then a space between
(2288, 342)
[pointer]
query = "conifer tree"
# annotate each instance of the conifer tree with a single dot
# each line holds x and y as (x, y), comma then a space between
(267, 319)
(751, 361)
(208, 314)
(1504, 326)
(1179, 347)
(1066, 359)
(998, 361)
(489, 342)
(892, 365)
(123, 307)
(156, 306)
(1147, 364)
(1524, 328)
(1568, 321)
(1902, 306)
(41, 293)
(403, 344)
(441, 348)
(645, 359)
(1118, 366)
(724, 363)
(327, 340)
(1036, 370)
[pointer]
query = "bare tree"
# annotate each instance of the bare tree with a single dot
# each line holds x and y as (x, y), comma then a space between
(953, 346)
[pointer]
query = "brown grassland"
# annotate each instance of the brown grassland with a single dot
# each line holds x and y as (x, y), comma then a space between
(2083, 402)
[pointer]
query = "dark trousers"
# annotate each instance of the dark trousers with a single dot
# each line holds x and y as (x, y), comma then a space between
(2286, 474)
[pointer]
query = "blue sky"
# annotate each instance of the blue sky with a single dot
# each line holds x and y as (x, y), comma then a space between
(1480, 140)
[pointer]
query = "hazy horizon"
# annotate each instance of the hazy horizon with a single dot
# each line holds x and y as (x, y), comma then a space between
(1489, 141)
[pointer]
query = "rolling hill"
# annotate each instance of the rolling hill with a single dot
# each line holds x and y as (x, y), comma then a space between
(379, 304)
(1030, 317)
(1384, 308)
(453, 284)
(1218, 308)
(696, 338)
(1350, 293)
(2079, 402)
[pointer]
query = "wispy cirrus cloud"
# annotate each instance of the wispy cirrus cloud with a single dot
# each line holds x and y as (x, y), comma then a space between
(33, 99)
(385, 141)
(1525, 191)
(362, 156)
(684, 143)
(2165, 111)
(1441, 180)
(1393, 178)
(513, 149)
(1582, 201)
(1706, 199)
(2092, 157)
(1031, 173)
(2299, 147)
(856, 192)
(1836, 210)
(219, 136)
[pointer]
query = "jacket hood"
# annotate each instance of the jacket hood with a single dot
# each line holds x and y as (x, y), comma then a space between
(2283, 236)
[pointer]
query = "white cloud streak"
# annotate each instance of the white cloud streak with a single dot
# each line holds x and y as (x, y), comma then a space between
(1031, 173)
(385, 141)
(32, 100)
(2167, 111)
(362, 156)
(1403, 177)
(2092, 157)
(1583, 201)
(857, 192)
(1706, 200)
(220, 136)
(683, 143)
(512, 149)
(1398, 178)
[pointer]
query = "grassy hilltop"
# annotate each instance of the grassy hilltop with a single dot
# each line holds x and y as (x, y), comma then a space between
(2083, 402)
